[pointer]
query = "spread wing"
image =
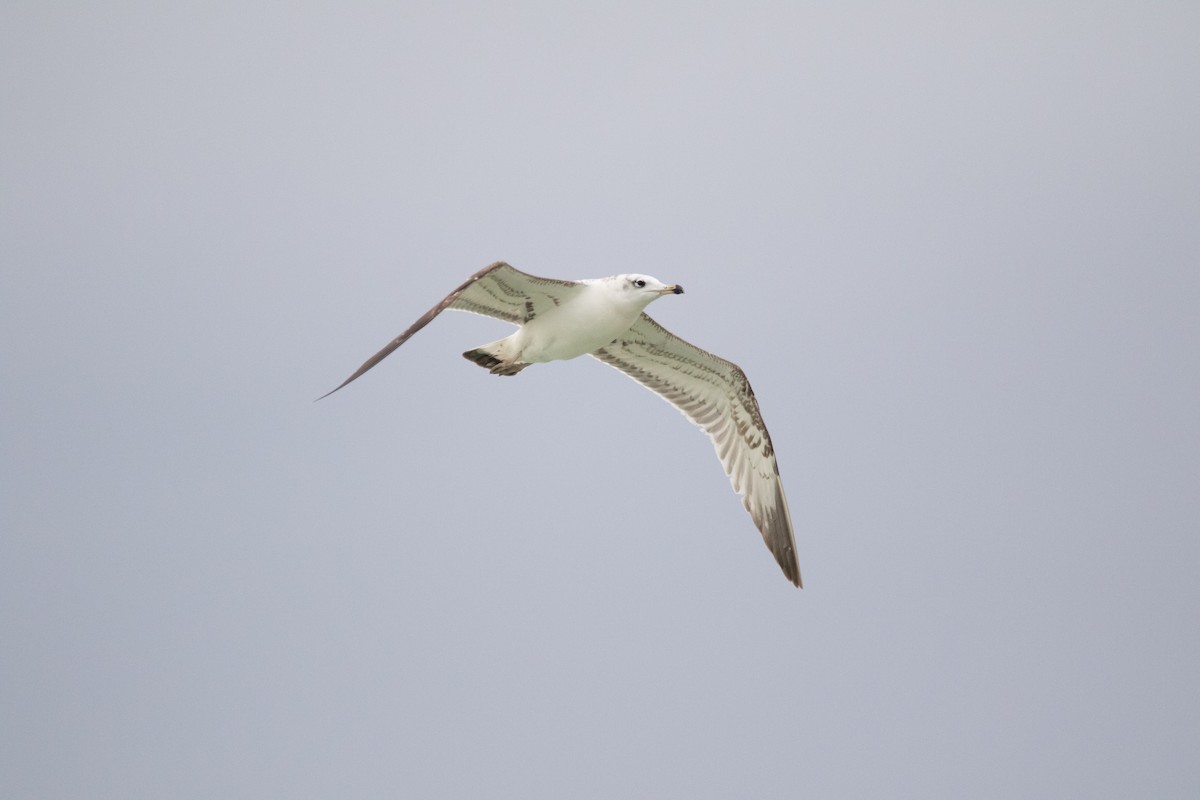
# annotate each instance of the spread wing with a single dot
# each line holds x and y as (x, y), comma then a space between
(497, 291)
(714, 394)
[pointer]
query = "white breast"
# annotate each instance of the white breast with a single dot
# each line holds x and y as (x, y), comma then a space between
(584, 324)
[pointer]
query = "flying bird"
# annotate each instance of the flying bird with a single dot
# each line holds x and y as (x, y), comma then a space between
(604, 318)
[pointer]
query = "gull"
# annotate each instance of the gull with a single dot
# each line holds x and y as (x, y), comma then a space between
(605, 319)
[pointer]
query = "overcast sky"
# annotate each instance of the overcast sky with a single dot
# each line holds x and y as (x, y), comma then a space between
(956, 247)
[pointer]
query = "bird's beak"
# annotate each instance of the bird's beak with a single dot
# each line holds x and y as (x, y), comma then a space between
(673, 289)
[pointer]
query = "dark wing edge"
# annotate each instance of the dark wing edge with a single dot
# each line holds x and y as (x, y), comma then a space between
(503, 296)
(716, 395)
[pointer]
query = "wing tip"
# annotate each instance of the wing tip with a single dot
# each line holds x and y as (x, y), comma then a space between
(331, 391)
(792, 571)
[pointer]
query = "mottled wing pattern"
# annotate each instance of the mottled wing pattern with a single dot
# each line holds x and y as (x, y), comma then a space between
(714, 394)
(499, 291)
(506, 293)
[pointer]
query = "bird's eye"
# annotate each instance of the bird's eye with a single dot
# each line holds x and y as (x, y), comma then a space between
(641, 284)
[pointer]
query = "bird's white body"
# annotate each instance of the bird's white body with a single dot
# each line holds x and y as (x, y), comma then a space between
(602, 310)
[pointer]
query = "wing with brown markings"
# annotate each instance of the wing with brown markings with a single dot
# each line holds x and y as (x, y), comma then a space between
(499, 291)
(714, 394)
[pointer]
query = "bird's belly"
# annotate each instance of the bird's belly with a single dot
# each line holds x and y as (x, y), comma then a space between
(560, 335)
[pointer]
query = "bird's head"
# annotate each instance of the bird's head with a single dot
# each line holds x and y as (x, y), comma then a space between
(642, 289)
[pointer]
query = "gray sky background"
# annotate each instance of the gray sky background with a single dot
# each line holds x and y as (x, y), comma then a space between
(956, 247)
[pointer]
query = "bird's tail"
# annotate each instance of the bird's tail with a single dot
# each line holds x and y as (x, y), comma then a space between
(493, 357)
